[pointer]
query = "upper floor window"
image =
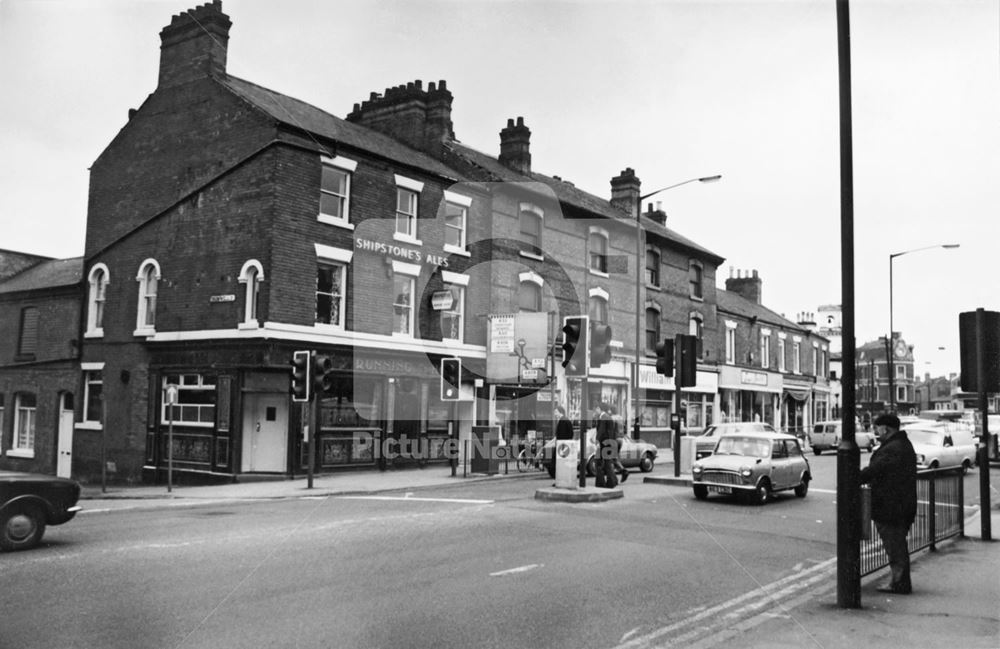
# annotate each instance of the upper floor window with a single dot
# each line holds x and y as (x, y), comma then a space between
(331, 284)
(402, 305)
(695, 279)
(148, 278)
(652, 329)
(797, 357)
(27, 344)
(529, 296)
(696, 328)
(531, 229)
(251, 276)
(407, 194)
(598, 309)
(24, 425)
(765, 348)
(335, 190)
(598, 250)
(196, 399)
(730, 342)
(900, 371)
(652, 268)
(456, 213)
(96, 296)
(781, 353)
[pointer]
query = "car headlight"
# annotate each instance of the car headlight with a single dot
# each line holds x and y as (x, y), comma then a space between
(921, 459)
(745, 471)
(696, 468)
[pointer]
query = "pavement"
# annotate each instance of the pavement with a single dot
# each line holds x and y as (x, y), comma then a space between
(956, 589)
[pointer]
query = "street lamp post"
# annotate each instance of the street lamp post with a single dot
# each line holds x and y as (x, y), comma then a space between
(640, 267)
(890, 352)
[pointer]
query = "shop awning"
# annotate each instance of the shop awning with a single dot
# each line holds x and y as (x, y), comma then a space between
(798, 395)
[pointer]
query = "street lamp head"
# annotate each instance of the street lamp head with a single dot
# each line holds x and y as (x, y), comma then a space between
(710, 179)
(951, 245)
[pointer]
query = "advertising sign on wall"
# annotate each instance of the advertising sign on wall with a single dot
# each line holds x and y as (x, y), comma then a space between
(517, 348)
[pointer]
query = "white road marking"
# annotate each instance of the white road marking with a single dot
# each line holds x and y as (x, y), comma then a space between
(467, 501)
(513, 571)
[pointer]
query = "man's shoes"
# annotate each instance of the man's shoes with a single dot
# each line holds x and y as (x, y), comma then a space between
(895, 590)
(624, 475)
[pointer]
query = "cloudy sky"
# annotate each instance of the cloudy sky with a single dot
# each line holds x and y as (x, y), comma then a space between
(743, 88)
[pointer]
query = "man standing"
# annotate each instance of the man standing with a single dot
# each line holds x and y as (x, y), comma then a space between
(892, 474)
(607, 450)
(619, 423)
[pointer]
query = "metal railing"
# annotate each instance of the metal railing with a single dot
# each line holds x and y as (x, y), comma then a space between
(940, 515)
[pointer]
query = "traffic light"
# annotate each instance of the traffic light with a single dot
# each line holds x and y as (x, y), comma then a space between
(665, 357)
(600, 344)
(321, 379)
(300, 376)
(688, 365)
(451, 378)
(575, 345)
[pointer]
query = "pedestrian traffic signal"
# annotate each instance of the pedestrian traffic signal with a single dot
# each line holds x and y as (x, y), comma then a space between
(300, 376)
(322, 380)
(575, 345)
(451, 378)
(665, 357)
(688, 372)
(600, 344)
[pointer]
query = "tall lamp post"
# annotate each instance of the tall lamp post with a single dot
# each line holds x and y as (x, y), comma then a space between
(640, 269)
(891, 351)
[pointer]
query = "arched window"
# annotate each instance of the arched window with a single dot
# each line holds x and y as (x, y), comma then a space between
(696, 328)
(598, 245)
(98, 281)
(531, 229)
(148, 278)
(598, 309)
(251, 276)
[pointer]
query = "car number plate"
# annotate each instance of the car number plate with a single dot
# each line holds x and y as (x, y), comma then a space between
(721, 490)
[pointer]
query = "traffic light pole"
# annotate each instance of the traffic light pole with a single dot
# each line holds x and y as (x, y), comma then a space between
(675, 419)
(311, 439)
(584, 412)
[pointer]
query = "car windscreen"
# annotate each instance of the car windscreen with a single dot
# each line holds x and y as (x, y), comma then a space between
(928, 437)
(746, 446)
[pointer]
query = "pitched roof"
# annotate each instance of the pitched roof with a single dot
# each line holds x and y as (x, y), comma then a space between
(298, 114)
(53, 273)
(736, 304)
(569, 194)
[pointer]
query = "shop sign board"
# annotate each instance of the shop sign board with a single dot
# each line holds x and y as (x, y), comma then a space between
(517, 348)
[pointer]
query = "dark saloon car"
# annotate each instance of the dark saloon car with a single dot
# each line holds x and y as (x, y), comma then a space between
(29, 502)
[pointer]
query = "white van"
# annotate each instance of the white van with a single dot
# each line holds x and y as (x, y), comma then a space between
(942, 445)
(825, 436)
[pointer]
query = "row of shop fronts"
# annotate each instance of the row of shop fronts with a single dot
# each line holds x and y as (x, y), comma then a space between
(384, 409)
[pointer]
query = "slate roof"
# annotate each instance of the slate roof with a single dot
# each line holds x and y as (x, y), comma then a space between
(301, 115)
(570, 195)
(731, 302)
(53, 273)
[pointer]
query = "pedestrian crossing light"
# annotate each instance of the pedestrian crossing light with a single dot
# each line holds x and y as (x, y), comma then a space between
(600, 344)
(665, 357)
(322, 380)
(575, 345)
(451, 378)
(300, 375)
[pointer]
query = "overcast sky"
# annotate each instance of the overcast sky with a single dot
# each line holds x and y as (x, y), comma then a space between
(675, 90)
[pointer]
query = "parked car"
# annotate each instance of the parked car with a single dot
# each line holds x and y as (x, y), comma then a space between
(704, 444)
(826, 436)
(939, 448)
(29, 502)
(633, 453)
(753, 466)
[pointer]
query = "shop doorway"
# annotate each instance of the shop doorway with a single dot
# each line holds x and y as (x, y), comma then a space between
(265, 433)
(64, 447)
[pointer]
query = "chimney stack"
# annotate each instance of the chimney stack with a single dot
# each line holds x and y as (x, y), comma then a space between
(419, 118)
(625, 192)
(746, 286)
(515, 150)
(194, 45)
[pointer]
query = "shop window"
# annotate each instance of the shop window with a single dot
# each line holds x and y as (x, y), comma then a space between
(196, 398)
(96, 295)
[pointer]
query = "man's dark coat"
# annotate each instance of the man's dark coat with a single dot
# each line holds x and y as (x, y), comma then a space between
(892, 474)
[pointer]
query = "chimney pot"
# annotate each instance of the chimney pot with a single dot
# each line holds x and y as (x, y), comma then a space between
(194, 45)
(515, 147)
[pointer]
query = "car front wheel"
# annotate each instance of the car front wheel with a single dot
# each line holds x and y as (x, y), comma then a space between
(21, 527)
(762, 494)
(700, 492)
(646, 463)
